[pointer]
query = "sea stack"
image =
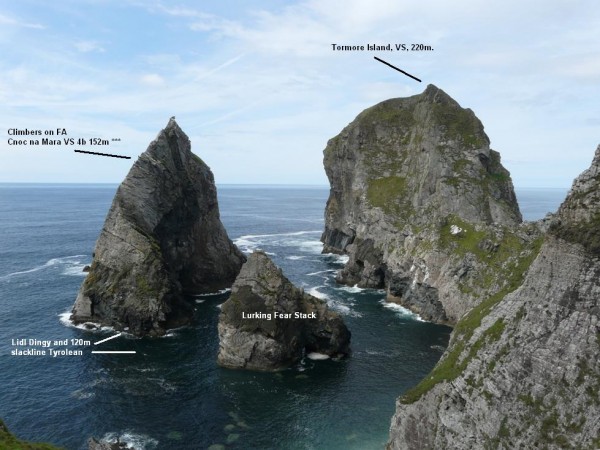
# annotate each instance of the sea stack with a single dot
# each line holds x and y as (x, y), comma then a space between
(162, 239)
(523, 370)
(268, 324)
(423, 207)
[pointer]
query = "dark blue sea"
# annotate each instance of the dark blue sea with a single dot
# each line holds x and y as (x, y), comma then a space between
(171, 394)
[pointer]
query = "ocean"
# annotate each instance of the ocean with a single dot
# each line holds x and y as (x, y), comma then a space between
(171, 394)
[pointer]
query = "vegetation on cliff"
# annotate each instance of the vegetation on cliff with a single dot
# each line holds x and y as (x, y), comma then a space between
(8, 441)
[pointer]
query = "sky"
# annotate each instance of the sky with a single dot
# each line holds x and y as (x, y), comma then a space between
(259, 90)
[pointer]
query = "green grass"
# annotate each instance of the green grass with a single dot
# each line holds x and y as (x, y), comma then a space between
(387, 193)
(497, 265)
(460, 124)
(586, 233)
(460, 165)
(144, 287)
(198, 159)
(9, 442)
(496, 172)
(387, 114)
(452, 365)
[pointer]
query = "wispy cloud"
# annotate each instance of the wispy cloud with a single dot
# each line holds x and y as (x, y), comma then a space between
(152, 79)
(12, 21)
(89, 46)
(269, 74)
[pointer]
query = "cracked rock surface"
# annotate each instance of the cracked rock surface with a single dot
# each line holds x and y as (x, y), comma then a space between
(162, 239)
(252, 337)
(423, 207)
(523, 371)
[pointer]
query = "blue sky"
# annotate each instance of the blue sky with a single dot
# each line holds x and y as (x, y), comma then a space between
(259, 90)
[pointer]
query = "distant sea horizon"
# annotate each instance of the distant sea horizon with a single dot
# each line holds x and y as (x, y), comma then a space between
(237, 185)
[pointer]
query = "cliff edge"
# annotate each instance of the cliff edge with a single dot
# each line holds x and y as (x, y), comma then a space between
(523, 370)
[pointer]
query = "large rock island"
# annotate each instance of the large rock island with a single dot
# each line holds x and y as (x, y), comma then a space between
(424, 208)
(162, 239)
(523, 370)
(268, 324)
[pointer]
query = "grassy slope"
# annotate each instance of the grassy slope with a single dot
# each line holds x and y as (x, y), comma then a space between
(9, 442)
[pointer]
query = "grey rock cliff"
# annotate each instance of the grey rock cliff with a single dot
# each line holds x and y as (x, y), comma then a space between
(162, 239)
(268, 343)
(523, 370)
(423, 206)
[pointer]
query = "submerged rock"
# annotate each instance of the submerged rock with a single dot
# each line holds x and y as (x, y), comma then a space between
(162, 239)
(423, 206)
(523, 370)
(94, 444)
(268, 323)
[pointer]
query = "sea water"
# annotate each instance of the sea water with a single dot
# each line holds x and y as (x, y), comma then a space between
(171, 394)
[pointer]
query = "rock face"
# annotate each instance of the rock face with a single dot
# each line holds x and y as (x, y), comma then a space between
(162, 239)
(523, 370)
(423, 206)
(252, 337)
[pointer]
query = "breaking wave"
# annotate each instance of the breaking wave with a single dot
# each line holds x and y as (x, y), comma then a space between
(133, 440)
(336, 305)
(74, 264)
(65, 319)
(352, 289)
(401, 311)
(251, 242)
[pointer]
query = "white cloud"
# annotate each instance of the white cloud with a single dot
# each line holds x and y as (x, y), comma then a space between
(271, 73)
(6, 20)
(88, 46)
(152, 79)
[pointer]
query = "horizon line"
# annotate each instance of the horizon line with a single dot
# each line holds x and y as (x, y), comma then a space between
(108, 183)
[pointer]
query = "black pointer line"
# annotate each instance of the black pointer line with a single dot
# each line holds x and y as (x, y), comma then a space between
(399, 70)
(103, 154)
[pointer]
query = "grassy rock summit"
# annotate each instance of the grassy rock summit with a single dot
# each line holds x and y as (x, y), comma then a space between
(424, 208)
(162, 239)
(268, 323)
(523, 371)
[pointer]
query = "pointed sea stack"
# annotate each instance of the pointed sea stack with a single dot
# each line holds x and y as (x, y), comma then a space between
(259, 327)
(162, 239)
(423, 206)
(523, 370)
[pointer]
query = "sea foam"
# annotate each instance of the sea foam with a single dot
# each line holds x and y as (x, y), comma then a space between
(65, 319)
(251, 242)
(210, 294)
(352, 289)
(133, 440)
(72, 261)
(401, 310)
